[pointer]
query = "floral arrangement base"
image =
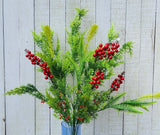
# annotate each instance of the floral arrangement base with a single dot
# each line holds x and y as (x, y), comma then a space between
(69, 130)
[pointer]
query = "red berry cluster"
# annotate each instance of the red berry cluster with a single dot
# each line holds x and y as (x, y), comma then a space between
(117, 82)
(33, 58)
(42, 101)
(95, 102)
(107, 50)
(81, 119)
(81, 107)
(60, 116)
(46, 70)
(96, 80)
(67, 118)
(37, 61)
(61, 104)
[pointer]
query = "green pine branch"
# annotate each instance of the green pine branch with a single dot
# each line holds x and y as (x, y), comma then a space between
(29, 89)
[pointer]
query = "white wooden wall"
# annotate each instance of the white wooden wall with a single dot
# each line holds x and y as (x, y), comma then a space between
(136, 20)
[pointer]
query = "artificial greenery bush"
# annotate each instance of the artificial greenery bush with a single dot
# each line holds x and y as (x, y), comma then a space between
(80, 102)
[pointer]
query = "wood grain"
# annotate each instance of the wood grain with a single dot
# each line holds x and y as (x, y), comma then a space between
(43, 121)
(136, 21)
(103, 20)
(146, 61)
(57, 22)
(133, 31)
(88, 20)
(118, 17)
(18, 21)
(156, 108)
(2, 85)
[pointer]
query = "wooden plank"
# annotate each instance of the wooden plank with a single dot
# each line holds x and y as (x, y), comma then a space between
(103, 21)
(89, 19)
(42, 112)
(156, 85)
(146, 62)
(57, 22)
(17, 23)
(118, 16)
(133, 23)
(2, 87)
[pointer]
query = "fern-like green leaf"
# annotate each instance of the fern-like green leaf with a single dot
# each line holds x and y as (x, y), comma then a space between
(112, 34)
(125, 107)
(115, 99)
(30, 89)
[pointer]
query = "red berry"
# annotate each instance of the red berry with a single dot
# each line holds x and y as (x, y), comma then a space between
(115, 89)
(110, 57)
(116, 79)
(106, 46)
(120, 82)
(119, 75)
(122, 78)
(32, 55)
(108, 49)
(45, 64)
(100, 57)
(38, 59)
(112, 86)
(108, 53)
(97, 50)
(116, 50)
(91, 82)
(51, 76)
(114, 82)
(117, 45)
(98, 72)
(103, 52)
(27, 55)
(98, 76)
(113, 44)
(46, 73)
(94, 82)
(94, 55)
(102, 77)
(29, 52)
(100, 45)
(104, 55)
(29, 58)
(41, 65)
(35, 57)
(98, 82)
(46, 77)
(32, 60)
(119, 79)
(100, 53)
(112, 48)
(102, 74)
(101, 49)
(96, 86)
